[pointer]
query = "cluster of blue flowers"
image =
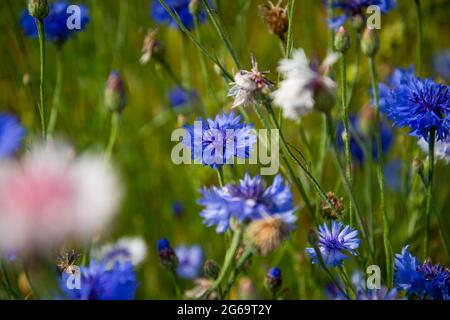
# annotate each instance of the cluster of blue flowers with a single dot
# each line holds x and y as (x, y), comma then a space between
(55, 25)
(248, 200)
(424, 281)
(335, 244)
(216, 142)
(11, 135)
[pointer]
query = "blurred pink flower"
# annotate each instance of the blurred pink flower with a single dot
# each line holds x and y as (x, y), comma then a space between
(51, 195)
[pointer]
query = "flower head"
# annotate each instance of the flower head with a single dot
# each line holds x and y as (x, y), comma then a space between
(167, 255)
(422, 106)
(180, 98)
(11, 135)
(247, 84)
(115, 92)
(431, 281)
(100, 282)
(304, 86)
(335, 244)
(180, 7)
(398, 77)
(151, 47)
(216, 142)
(357, 8)
(276, 18)
(55, 24)
(249, 200)
(51, 195)
(267, 234)
(190, 261)
(132, 249)
(274, 280)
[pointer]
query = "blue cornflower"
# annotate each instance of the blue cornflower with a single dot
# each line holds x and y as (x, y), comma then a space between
(441, 64)
(393, 174)
(335, 245)
(100, 282)
(11, 134)
(377, 294)
(352, 8)
(179, 97)
(167, 255)
(177, 208)
(181, 7)
(358, 137)
(421, 105)
(55, 24)
(190, 261)
(216, 142)
(248, 200)
(399, 76)
(274, 279)
(426, 281)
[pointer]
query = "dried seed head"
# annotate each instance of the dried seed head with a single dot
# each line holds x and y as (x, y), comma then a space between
(330, 212)
(151, 47)
(267, 234)
(276, 18)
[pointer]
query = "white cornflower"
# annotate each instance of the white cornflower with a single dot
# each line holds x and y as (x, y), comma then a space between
(247, 84)
(441, 149)
(132, 249)
(51, 195)
(304, 87)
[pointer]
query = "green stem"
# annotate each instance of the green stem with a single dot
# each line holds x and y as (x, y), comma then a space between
(57, 93)
(41, 105)
(236, 271)
(220, 176)
(345, 279)
(419, 37)
(345, 118)
(380, 176)
(431, 144)
(330, 12)
(229, 257)
(290, 35)
(220, 30)
(115, 123)
(176, 284)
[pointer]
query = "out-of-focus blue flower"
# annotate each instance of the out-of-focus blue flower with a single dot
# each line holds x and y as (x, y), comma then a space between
(420, 105)
(441, 64)
(274, 279)
(179, 97)
(426, 281)
(98, 282)
(167, 255)
(55, 24)
(216, 142)
(357, 137)
(177, 208)
(248, 200)
(190, 261)
(11, 135)
(335, 244)
(351, 8)
(180, 7)
(377, 294)
(393, 174)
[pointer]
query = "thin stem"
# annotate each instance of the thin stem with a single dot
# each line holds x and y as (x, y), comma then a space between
(419, 37)
(57, 93)
(220, 176)
(176, 284)
(115, 122)
(290, 35)
(330, 12)
(236, 271)
(345, 118)
(380, 176)
(229, 257)
(431, 144)
(220, 30)
(41, 105)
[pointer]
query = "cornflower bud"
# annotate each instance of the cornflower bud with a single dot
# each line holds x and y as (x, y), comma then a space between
(115, 93)
(38, 8)
(212, 269)
(167, 255)
(274, 280)
(370, 42)
(342, 40)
